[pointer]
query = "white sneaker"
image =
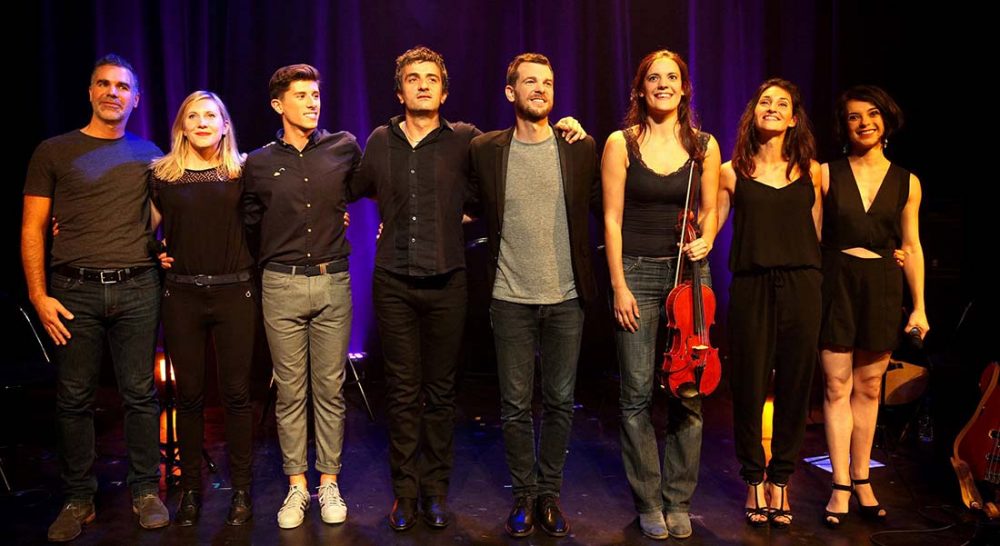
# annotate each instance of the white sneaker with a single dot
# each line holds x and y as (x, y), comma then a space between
(332, 507)
(293, 510)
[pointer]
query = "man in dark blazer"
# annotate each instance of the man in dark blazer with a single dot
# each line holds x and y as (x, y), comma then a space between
(535, 191)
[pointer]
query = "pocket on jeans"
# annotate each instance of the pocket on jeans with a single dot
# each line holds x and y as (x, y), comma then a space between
(60, 282)
(146, 279)
(629, 264)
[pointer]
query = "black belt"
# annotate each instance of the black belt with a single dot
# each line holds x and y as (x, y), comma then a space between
(103, 276)
(336, 266)
(210, 280)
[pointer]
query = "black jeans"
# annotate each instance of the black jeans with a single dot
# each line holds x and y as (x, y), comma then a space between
(554, 331)
(421, 320)
(125, 314)
(227, 313)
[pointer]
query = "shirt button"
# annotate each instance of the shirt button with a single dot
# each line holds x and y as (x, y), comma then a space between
(309, 230)
(414, 218)
(413, 195)
(308, 254)
(412, 240)
(300, 155)
(305, 179)
(412, 171)
(308, 205)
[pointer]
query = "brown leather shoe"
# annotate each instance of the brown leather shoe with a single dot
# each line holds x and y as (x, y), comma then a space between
(152, 514)
(71, 519)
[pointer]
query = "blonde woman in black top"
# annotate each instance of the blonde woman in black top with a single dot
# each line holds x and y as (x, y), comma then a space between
(208, 293)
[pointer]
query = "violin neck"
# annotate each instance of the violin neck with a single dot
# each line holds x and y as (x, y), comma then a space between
(697, 302)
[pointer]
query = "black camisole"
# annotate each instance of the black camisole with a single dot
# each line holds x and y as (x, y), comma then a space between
(773, 227)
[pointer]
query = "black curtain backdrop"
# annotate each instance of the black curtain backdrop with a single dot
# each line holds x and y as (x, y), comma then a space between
(233, 46)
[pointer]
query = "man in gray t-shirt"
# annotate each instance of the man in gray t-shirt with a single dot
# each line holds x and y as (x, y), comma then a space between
(535, 191)
(102, 286)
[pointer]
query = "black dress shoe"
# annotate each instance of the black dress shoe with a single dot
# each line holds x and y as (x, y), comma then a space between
(550, 516)
(403, 514)
(240, 508)
(435, 511)
(521, 521)
(189, 509)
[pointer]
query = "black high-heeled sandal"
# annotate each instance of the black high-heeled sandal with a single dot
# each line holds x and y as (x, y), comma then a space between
(834, 519)
(773, 514)
(756, 516)
(873, 512)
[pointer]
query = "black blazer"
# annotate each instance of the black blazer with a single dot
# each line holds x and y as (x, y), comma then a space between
(581, 186)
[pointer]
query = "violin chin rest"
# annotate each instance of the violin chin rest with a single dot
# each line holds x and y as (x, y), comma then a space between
(688, 390)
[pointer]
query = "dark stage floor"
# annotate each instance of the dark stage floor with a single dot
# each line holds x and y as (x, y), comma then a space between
(595, 496)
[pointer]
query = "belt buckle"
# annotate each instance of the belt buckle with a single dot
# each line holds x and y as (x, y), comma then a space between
(111, 277)
(198, 278)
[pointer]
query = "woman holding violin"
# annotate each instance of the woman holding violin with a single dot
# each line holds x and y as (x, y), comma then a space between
(773, 184)
(646, 169)
(870, 208)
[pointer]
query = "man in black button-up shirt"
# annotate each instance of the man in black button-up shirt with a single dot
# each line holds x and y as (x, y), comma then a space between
(294, 203)
(418, 165)
(294, 200)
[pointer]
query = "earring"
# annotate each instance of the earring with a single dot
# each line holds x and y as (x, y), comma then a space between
(885, 143)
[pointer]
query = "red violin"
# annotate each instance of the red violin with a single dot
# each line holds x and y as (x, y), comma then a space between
(691, 366)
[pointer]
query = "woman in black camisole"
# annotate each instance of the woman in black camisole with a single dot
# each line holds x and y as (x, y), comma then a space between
(645, 171)
(773, 185)
(870, 209)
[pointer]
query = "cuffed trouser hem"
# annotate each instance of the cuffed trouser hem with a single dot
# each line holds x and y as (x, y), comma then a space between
(328, 469)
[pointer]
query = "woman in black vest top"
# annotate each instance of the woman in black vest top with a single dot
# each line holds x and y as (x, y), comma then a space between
(773, 183)
(645, 171)
(870, 208)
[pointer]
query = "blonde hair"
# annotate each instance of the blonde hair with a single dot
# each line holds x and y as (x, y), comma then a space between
(171, 166)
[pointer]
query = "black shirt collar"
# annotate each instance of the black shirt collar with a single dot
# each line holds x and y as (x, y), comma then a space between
(396, 120)
(314, 138)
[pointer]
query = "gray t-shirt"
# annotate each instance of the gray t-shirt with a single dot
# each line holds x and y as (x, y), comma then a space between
(100, 197)
(534, 265)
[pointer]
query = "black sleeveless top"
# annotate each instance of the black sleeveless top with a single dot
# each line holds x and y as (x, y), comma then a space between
(845, 222)
(203, 222)
(773, 227)
(653, 202)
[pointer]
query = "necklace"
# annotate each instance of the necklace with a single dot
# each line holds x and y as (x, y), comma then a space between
(413, 141)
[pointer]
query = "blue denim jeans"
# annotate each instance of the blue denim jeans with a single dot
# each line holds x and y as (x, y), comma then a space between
(650, 280)
(125, 314)
(308, 325)
(520, 331)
